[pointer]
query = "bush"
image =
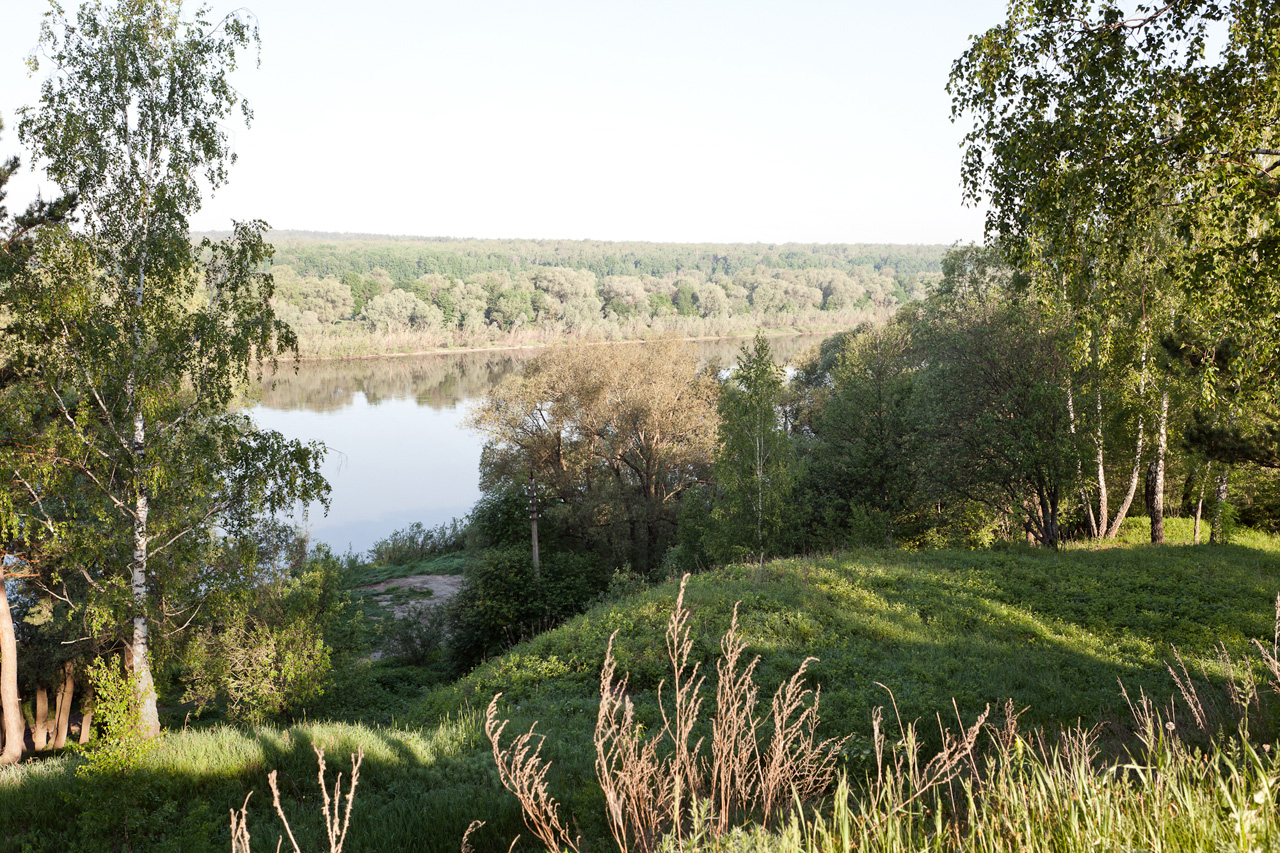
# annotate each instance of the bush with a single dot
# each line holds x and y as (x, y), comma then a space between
(502, 601)
(418, 638)
(416, 543)
(499, 519)
(270, 650)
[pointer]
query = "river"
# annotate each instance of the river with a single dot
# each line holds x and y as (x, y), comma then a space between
(398, 452)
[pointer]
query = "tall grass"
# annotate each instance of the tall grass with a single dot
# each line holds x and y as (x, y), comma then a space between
(1188, 780)
(666, 782)
(1033, 796)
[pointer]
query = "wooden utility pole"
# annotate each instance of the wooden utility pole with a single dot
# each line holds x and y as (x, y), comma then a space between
(533, 524)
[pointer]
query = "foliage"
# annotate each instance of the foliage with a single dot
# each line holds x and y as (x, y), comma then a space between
(953, 420)
(500, 518)
(269, 651)
(754, 470)
(17, 238)
(416, 543)
(613, 435)
(540, 291)
(992, 408)
(131, 339)
(503, 601)
(1153, 110)
(1129, 164)
(860, 452)
(117, 711)
(419, 637)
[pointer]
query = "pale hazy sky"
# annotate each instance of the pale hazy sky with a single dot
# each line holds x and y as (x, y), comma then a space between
(683, 121)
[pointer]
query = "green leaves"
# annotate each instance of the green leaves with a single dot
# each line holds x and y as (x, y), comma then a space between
(754, 471)
(1089, 122)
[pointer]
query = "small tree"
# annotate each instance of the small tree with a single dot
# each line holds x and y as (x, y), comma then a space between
(861, 449)
(754, 469)
(992, 409)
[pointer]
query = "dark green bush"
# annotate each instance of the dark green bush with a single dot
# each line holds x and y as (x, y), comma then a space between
(417, 638)
(502, 601)
(267, 651)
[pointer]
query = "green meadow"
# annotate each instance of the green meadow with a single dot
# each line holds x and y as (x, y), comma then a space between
(940, 633)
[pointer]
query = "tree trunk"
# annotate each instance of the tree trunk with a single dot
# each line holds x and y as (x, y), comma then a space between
(63, 714)
(1155, 474)
(86, 714)
(40, 725)
(1217, 533)
(1084, 495)
(14, 728)
(1102, 469)
(141, 655)
(145, 684)
(1204, 480)
(1134, 476)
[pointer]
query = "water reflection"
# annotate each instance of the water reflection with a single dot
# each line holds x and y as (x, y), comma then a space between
(436, 381)
(393, 426)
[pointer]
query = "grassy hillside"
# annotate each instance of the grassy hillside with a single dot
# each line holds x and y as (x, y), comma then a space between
(1054, 632)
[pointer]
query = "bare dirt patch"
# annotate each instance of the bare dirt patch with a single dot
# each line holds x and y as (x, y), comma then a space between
(442, 588)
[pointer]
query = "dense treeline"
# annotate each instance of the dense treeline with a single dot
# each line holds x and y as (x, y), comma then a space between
(984, 415)
(407, 258)
(371, 294)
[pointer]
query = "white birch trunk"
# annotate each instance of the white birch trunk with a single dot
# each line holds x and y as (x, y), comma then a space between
(1155, 476)
(1217, 535)
(14, 728)
(1134, 476)
(1102, 469)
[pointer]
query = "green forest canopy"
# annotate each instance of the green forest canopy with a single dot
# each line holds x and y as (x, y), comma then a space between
(406, 258)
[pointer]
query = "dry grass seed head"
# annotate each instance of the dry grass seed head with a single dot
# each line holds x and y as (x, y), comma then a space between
(523, 771)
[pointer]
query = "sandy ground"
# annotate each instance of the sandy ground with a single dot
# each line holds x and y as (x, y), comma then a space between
(443, 588)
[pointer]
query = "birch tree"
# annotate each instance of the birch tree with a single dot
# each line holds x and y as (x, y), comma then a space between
(754, 469)
(1088, 122)
(146, 336)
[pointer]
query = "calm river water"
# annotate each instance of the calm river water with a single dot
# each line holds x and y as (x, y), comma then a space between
(397, 450)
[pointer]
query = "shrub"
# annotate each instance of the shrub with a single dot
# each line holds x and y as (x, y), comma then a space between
(502, 601)
(268, 651)
(415, 543)
(417, 638)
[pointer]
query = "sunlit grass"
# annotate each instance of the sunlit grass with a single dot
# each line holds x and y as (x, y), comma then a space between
(1056, 633)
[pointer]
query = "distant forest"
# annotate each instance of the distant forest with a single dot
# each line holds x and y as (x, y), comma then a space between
(349, 294)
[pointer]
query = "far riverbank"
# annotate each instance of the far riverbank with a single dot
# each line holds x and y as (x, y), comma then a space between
(353, 343)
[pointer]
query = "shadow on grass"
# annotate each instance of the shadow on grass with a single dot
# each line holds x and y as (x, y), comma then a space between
(1053, 632)
(415, 792)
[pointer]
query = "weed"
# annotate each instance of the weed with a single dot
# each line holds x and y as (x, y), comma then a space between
(656, 785)
(336, 823)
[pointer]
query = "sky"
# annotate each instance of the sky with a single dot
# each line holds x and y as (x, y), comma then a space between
(686, 121)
